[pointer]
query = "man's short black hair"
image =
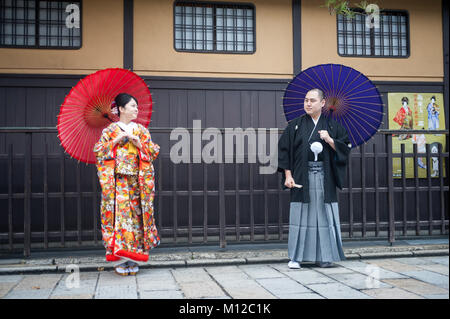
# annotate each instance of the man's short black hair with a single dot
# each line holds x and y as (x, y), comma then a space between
(319, 93)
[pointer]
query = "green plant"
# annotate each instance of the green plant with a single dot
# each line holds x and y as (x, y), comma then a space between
(342, 7)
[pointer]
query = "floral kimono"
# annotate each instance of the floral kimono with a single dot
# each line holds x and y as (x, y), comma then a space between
(126, 177)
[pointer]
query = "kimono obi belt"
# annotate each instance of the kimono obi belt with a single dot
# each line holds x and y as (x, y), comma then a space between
(127, 160)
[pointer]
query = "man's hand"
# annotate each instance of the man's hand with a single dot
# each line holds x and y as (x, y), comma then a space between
(327, 138)
(289, 182)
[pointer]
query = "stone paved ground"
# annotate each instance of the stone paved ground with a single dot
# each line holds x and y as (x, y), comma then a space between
(399, 278)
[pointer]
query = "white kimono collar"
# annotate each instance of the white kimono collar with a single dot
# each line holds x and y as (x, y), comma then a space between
(127, 127)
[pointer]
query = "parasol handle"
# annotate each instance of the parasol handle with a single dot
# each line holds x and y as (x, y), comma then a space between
(331, 109)
(105, 115)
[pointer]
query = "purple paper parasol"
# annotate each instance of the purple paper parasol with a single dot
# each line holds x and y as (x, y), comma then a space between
(351, 99)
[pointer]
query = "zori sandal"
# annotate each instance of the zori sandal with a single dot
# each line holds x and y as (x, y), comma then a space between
(132, 268)
(121, 270)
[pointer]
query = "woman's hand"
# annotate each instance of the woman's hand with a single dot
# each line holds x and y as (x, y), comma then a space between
(135, 140)
(120, 137)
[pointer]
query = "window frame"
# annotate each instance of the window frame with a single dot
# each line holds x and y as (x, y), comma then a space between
(215, 4)
(37, 26)
(372, 44)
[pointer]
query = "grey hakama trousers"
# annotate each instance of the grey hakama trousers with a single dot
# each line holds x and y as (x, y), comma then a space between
(314, 228)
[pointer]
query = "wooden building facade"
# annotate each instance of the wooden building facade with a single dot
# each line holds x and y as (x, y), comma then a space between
(226, 64)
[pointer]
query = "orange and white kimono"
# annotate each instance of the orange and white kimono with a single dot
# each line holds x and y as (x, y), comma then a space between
(126, 176)
(404, 118)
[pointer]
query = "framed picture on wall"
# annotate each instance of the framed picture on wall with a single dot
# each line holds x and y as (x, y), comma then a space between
(416, 111)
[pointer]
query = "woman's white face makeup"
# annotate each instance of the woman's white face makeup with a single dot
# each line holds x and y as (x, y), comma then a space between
(130, 110)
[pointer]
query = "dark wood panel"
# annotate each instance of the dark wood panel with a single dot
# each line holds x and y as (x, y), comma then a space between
(217, 103)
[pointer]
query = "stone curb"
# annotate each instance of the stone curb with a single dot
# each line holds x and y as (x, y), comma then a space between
(13, 269)
(437, 252)
(389, 254)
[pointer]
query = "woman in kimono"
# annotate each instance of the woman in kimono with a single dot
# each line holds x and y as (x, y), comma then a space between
(125, 153)
(312, 155)
(404, 118)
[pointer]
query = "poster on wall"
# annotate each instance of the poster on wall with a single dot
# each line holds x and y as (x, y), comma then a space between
(416, 111)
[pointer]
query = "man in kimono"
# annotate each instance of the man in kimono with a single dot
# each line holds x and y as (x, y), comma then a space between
(312, 156)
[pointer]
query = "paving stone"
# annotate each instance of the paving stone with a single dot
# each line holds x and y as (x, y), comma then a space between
(337, 291)
(248, 289)
(7, 282)
(162, 294)
(300, 296)
(212, 262)
(359, 281)
(429, 277)
(218, 270)
(440, 260)
(438, 268)
(369, 269)
(416, 286)
(201, 289)
(38, 282)
(352, 264)
(390, 293)
(80, 296)
(28, 294)
(230, 277)
(157, 285)
(444, 296)
(154, 274)
(85, 286)
(393, 265)
(414, 261)
(11, 278)
(261, 271)
(184, 275)
(307, 277)
(116, 292)
(110, 278)
(279, 286)
(374, 270)
(5, 287)
(281, 267)
(333, 270)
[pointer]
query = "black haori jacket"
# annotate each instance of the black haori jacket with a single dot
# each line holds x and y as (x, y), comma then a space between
(293, 148)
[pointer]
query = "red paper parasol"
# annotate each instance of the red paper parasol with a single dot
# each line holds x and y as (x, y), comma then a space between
(86, 110)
